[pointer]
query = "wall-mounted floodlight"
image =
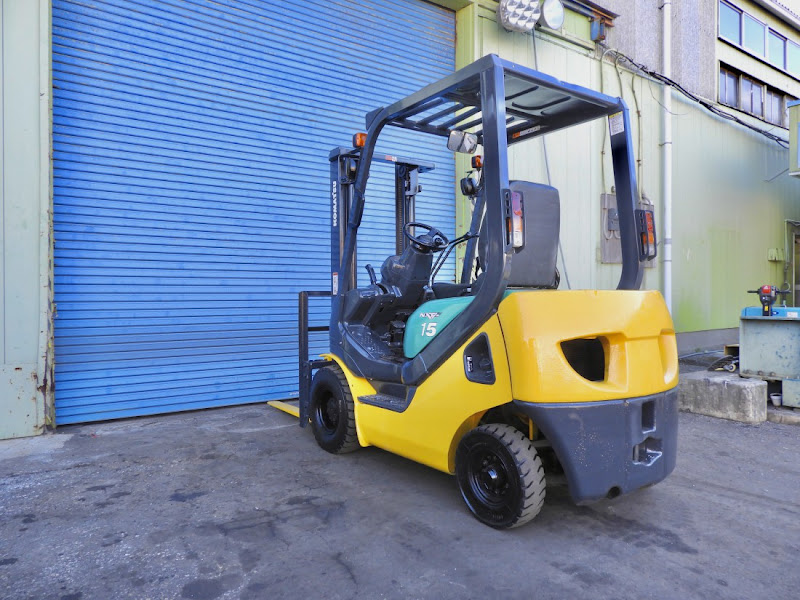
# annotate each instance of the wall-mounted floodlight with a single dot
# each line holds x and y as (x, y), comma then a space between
(552, 14)
(519, 15)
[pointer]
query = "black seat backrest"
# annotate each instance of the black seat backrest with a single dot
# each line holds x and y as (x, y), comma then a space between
(534, 265)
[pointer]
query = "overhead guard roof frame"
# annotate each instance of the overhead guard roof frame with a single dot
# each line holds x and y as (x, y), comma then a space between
(520, 104)
(536, 103)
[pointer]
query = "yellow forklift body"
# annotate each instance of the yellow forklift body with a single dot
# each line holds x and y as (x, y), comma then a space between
(529, 365)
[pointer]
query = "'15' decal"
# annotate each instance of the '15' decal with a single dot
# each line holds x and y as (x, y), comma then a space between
(429, 329)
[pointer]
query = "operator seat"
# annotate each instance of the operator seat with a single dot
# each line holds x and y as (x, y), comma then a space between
(533, 265)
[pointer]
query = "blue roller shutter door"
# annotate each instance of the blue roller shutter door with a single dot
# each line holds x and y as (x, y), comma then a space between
(190, 143)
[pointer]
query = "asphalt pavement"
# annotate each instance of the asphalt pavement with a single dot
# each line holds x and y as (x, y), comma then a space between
(241, 503)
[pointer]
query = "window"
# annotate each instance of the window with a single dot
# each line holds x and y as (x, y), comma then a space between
(754, 32)
(758, 99)
(777, 50)
(728, 87)
(730, 23)
(751, 95)
(752, 99)
(793, 58)
(774, 107)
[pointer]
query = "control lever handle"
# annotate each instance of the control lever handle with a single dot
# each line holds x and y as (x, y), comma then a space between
(775, 291)
(372, 278)
(768, 294)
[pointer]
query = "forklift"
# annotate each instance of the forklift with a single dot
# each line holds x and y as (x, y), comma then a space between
(500, 374)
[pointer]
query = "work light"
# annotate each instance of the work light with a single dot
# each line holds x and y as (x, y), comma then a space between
(519, 15)
(552, 14)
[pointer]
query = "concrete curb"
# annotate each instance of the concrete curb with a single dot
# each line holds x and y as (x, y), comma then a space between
(783, 416)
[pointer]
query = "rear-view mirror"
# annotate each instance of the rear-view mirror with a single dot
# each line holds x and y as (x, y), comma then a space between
(461, 141)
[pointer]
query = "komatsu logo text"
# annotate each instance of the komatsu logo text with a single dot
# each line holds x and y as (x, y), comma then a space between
(334, 204)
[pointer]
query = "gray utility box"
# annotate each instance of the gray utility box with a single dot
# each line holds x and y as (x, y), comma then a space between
(769, 348)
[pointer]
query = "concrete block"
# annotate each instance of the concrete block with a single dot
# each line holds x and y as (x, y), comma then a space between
(784, 416)
(723, 395)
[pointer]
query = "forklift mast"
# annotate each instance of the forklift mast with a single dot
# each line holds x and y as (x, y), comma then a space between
(344, 166)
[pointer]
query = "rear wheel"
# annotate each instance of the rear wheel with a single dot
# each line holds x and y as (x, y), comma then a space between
(332, 412)
(500, 476)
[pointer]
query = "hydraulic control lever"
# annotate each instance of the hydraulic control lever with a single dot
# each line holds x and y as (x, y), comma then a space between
(372, 278)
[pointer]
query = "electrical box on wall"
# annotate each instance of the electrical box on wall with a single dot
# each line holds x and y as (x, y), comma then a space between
(794, 147)
(610, 245)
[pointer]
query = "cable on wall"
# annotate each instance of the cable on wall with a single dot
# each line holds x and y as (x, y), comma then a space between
(710, 106)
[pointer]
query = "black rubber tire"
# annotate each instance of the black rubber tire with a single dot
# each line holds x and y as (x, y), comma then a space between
(332, 412)
(500, 475)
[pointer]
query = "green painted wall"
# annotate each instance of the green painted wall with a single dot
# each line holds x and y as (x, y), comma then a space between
(25, 333)
(726, 215)
(732, 196)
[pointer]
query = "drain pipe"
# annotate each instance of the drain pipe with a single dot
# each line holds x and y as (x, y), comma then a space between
(666, 165)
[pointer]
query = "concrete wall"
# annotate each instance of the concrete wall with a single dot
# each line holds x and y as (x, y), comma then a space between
(25, 288)
(696, 49)
(729, 193)
(637, 32)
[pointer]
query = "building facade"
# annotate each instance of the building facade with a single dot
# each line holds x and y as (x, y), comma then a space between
(734, 204)
(165, 175)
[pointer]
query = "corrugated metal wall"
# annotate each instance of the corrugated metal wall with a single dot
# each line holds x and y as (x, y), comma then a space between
(190, 143)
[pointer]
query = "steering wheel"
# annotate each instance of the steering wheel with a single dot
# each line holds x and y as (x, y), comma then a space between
(432, 240)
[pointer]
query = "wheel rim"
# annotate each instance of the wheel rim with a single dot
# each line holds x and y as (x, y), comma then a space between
(488, 478)
(327, 413)
(492, 488)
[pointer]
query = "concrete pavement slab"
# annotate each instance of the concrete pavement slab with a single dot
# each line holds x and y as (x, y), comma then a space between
(241, 503)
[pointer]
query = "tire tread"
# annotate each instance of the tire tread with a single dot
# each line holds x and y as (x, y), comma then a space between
(350, 442)
(346, 440)
(529, 467)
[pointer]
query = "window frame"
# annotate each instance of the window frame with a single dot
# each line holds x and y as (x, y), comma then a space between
(773, 93)
(719, 22)
(789, 71)
(754, 85)
(784, 41)
(745, 85)
(764, 29)
(728, 73)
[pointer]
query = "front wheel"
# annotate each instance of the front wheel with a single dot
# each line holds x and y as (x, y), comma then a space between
(332, 412)
(500, 476)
